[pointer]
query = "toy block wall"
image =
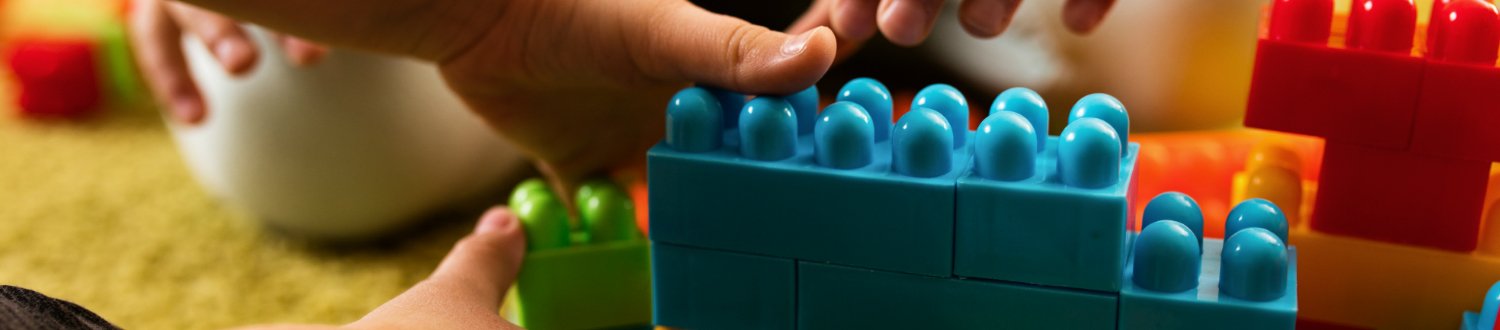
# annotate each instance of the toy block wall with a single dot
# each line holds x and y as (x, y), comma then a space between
(1408, 126)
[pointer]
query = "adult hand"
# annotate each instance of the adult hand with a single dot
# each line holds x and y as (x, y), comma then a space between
(464, 292)
(908, 22)
(156, 28)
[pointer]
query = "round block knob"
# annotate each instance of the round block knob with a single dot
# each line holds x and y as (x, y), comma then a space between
(1030, 105)
(949, 102)
(1106, 108)
(805, 103)
(875, 98)
(605, 212)
(1253, 266)
(1005, 147)
(1167, 257)
(694, 121)
(1256, 213)
(545, 220)
(768, 129)
(1088, 154)
(1280, 186)
(1178, 207)
(1304, 21)
(844, 137)
(1382, 25)
(731, 102)
(1470, 33)
(922, 144)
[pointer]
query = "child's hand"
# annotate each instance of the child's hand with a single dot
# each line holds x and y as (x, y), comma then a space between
(466, 289)
(579, 85)
(908, 22)
(156, 33)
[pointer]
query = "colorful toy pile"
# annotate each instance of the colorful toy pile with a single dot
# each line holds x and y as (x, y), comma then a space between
(587, 274)
(925, 224)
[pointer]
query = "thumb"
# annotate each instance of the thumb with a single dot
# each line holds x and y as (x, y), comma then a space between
(728, 52)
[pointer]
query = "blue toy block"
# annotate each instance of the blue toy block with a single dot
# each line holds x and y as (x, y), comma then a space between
(1039, 230)
(876, 215)
(1471, 322)
(706, 289)
(839, 297)
(1485, 319)
(1207, 306)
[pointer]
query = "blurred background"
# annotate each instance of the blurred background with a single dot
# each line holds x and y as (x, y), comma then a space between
(99, 203)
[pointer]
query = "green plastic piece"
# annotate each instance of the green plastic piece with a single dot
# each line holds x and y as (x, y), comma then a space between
(586, 287)
(529, 188)
(606, 212)
(546, 222)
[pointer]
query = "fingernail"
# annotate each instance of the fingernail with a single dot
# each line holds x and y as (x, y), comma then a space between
(798, 43)
(988, 17)
(1085, 16)
(186, 111)
(904, 21)
(230, 53)
(494, 220)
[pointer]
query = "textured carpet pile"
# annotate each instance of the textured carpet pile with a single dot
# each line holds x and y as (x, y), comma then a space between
(104, 213)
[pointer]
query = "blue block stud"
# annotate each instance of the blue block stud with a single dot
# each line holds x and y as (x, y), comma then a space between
(695, 122)
(949, 102)
(876, 99)
(1167, 257)
(922, 144)
(1106, 108)
(1254, 266)
(1088, 155)
(731, 101)
(1487, 311)
(1255, 213)
(1004, 147)
(806, 105)
(768, 129)
(1178, 207)
(1030, 105)
(844, 137)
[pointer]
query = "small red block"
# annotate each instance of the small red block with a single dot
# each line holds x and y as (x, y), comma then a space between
(1458, 115)
(1360, 97)
(56, 78)
(1400, 197)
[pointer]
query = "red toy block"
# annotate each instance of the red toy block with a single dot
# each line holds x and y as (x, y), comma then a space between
(1458, 115)
(1382, 25)
(1354, 96)
(56, 78)
(1305, 21)
(1400, 197)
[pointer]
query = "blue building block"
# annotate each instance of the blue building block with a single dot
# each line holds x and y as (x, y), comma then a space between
(838, 297)
(706, 289)
(1206, 306)
(880, 216)
(1039, 230)
(1485, 319)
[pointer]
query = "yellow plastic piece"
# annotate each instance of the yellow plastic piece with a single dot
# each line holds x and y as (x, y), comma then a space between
(1489, 241)
(1378, 285)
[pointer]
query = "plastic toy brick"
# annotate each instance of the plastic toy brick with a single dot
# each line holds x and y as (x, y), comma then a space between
(837, 195)
(1400, 197)
(1040, 230)
(1456, 118)
(1394, 286)
(1344, 95)
(1248, 281)
(706, 289)
(56, 78)
(838, 297)
(586, 287)
(1485, 319)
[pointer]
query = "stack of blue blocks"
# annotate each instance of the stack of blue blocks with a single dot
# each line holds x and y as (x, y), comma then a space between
(768, 214)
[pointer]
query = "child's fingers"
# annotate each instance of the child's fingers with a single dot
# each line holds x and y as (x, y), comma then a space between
(158, 52)
(854, 19)
(908, 22)
(301, 52)
(221, 35)
(821, 14)
(728, 52)
(1082, 16)
(987, 18)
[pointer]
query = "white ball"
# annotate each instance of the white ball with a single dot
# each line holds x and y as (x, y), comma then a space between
(354, 146)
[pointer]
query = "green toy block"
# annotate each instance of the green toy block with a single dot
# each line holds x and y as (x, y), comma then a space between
(838, 297)
(586, 287)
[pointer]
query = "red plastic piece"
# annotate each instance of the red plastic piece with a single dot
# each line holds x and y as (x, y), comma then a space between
(1458, 115)
(1400, 197)
(1382, 25)
(56, 78)
(1470, 33)
(1303, 21)
(1361, 97)
(1435, 23)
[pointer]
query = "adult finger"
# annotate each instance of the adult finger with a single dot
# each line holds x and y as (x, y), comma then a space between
(821, 14)
(158, 53)
(221, 35)
(908, 22)
(986, 18)
(728, 52)
(1082, 16)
